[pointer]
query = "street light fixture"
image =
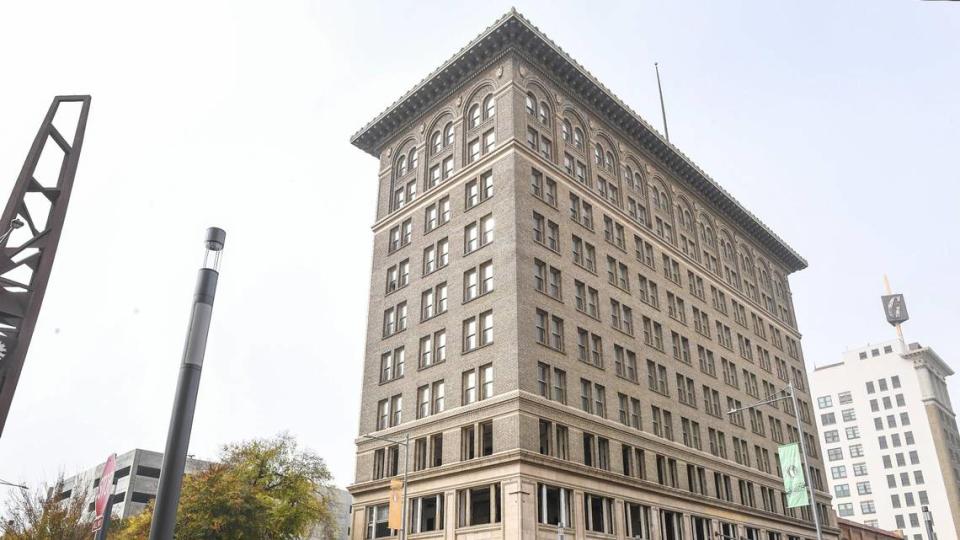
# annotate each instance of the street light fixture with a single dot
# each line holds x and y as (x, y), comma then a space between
(791, 395)
(928, 521)
(405, 442)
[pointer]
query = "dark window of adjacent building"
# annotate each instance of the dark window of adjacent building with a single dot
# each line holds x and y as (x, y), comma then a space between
(121, 473)
(149, 472)
(138, 497)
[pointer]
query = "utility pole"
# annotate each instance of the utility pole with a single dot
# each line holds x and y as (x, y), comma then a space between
(803, 447)
(188, 384)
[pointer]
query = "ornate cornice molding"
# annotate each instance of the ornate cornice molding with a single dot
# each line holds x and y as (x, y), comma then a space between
(514, 32)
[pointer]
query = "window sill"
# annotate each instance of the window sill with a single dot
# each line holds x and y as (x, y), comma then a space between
(477, 205)
(546, 346)
(479, 528)
(592, 316)
(398, 332)
(423, 368)
(432, 317)
(554, 298)
(548, 248)
(622, 331)
(478, 248)
(546, 202)
(435, 270)
(475, 349)
(477, 297)
(587, 268)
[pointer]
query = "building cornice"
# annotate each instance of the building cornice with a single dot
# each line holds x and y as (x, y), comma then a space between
(928, 355)
(514, 32)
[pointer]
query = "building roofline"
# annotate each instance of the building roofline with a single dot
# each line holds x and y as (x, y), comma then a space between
(864, 527)
(513, 31)
(927, 352)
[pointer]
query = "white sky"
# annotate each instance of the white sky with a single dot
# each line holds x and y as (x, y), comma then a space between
(836, 123)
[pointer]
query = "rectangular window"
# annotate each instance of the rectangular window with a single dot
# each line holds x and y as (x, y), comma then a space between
(426, 513)
(478, 505)
(553, 505)
(598, 513)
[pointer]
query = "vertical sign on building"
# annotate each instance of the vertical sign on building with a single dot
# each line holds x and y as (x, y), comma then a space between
(395, 514)
(895, 309)
(794, 482)
(104, 494)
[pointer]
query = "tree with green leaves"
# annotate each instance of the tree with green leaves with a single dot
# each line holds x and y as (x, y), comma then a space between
(44, 515)
(264, 489)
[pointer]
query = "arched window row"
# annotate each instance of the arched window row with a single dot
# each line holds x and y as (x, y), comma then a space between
(538, 109)
(660, 199)
(603, 158)
(571, 135)
(442, 139)
(642, 192)
(407, 163)
(482, 111)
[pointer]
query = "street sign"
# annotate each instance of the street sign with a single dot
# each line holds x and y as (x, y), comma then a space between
(895, 308)
(794, 483)
(104, 492)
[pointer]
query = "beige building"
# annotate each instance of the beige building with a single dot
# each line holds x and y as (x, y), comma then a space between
(562, 309)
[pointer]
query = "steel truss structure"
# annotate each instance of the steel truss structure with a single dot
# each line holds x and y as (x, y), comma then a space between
(30, 228)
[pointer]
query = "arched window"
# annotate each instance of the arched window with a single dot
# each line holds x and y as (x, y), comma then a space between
(448, 134)
(436, 141)
(608, 161)
(413, 158)
(664, 202)
(402, 166)
(578, 138)
(598, 154)
(489, 106)
(475, 115)
(727, 251)
(532, 105)
(544, 114)
(706, 233)
(638, 182)
(566, 130)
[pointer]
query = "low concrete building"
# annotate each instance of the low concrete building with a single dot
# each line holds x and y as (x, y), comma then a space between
(851, 530)
(136, 479)
(341, 501)
(138, 475)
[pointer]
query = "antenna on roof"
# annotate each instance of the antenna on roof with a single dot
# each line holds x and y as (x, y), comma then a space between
(663, 109)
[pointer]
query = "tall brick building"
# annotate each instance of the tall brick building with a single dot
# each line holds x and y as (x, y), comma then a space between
(563, 308)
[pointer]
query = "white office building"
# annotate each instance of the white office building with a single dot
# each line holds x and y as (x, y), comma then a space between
(890, 438)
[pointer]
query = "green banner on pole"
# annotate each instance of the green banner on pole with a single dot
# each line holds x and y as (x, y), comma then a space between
(794, 481)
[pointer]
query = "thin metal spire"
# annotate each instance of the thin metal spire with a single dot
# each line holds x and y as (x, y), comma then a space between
(663, 109)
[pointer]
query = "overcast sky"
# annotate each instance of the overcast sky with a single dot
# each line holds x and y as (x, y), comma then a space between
(836, 123)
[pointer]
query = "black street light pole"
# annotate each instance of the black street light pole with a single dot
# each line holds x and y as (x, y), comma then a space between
(185, 401)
